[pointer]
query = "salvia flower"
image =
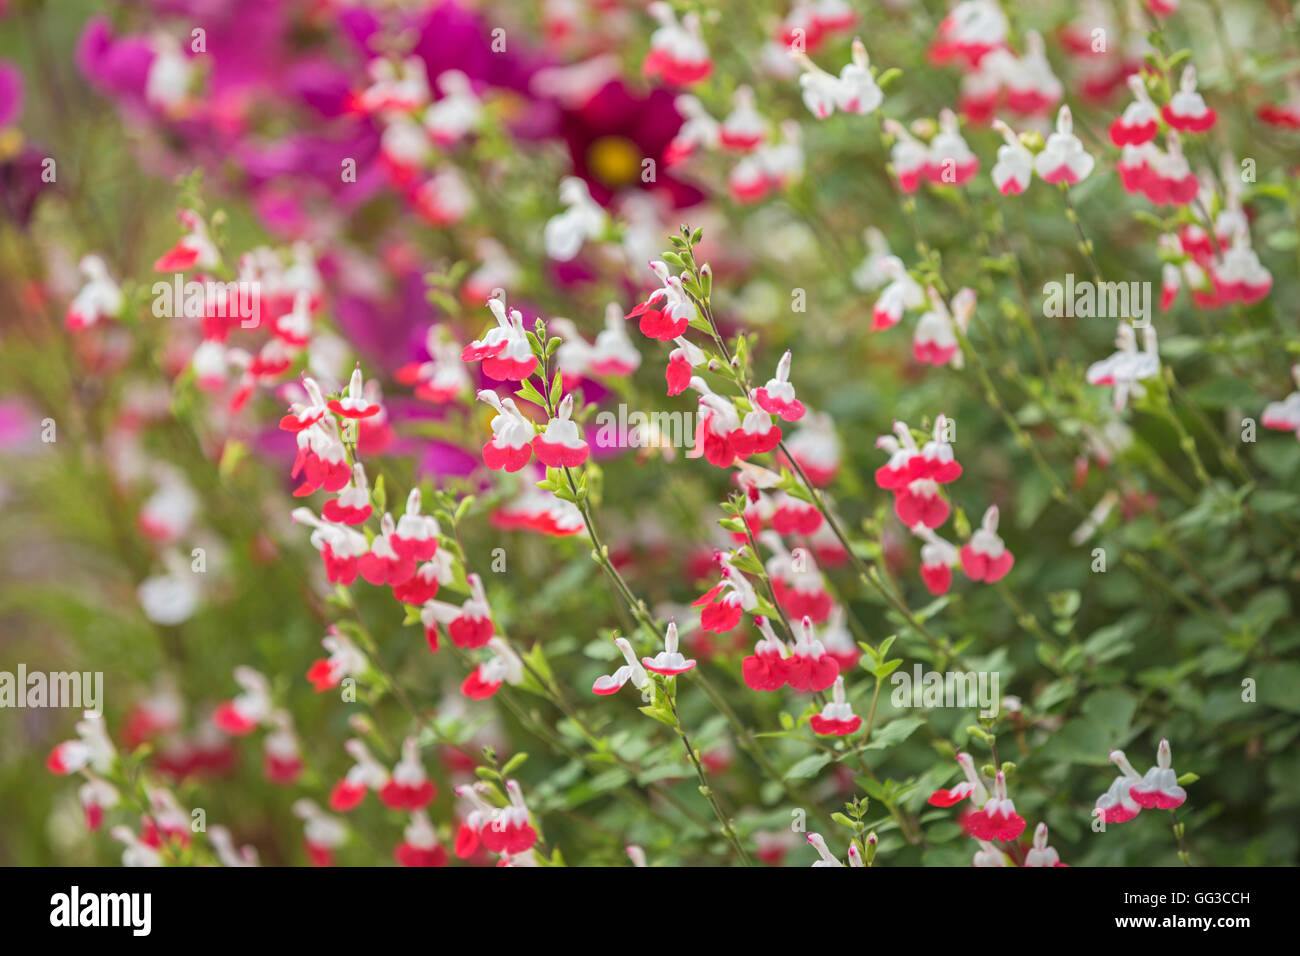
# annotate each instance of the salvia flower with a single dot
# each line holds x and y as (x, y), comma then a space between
(827, 858)
(1014, 170)
(505, 351)
(611, 683)
(1238, 275)
(810, 667)
(726, 602)
(1063, 159)
(100, 298)
(511, 445)
(949, 160)
(504, 666)
(836, 718)
(777, 397)
(241, 715)
(322, 833)
(997, 818)
(938, 558)
(1041, 854)
(909, 157)
(1285, 415)
(352, 506)
(677, 54)
(900, 294)
(581, 221)
(561, 444)
(469, 625)
(666, 312)
(1159, 789)
(744, 129)
(420, 846)
(354, 403)
(1186, 110)
(971, 30)
(365, 774)
(345, 660)
(767, 668)
(382, 564)
(972, 788)
(1125, 369)
(509, 829)
(408, 787)
(1117, 805)
(670, 661)
(1140, 120)
(193, 250)
(985, 557)
(92, 749)
(340, 547)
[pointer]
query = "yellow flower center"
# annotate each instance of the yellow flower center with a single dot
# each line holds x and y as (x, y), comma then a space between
(614, 160)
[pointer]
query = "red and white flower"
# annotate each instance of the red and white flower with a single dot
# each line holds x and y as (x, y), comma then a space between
(909, 157)
(352, 506)
(322, 833)
(791, 515)
(512, 434)
(810, 668)
(938, 558)
(345, 660)
(949, 160)
(365, 774)
(1125, 369)
(281, 756)
(354, 404)
(303, 416)
(322, 459)
(608, 684)
(100, 297)
(1186, 110)
(698, 129)
(1117, 805)
(666, 313)
(469, 625)
(340, 547)
(420, 846)
(1014, 170)
(744, 129)
(455, 114)
(777, 396)
(561, 444)
(797, 585)
(815, 447)
(1063, 159)
(408, 786)
(670, 661)
(971, 30)
(1284, 416)
(677, 54)
(767, 669)
(504, 666)
(193, 250)
(582, 220)
(1041, 854)
(509, 829)
(1238, 275)
(681, 366)
(900, 294)
(395, 86)
(1159, 789)
(442, 378)
(504, 350)
(242, 715)
(985, 557)
(383, 565)
(1140, 120)
(92, 749)
(836, 718)
(725, 603)
(1031, 86)
(416, 534)
(934, 342)
(997, 818)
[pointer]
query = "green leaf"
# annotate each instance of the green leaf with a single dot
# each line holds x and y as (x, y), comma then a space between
(808, 766)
